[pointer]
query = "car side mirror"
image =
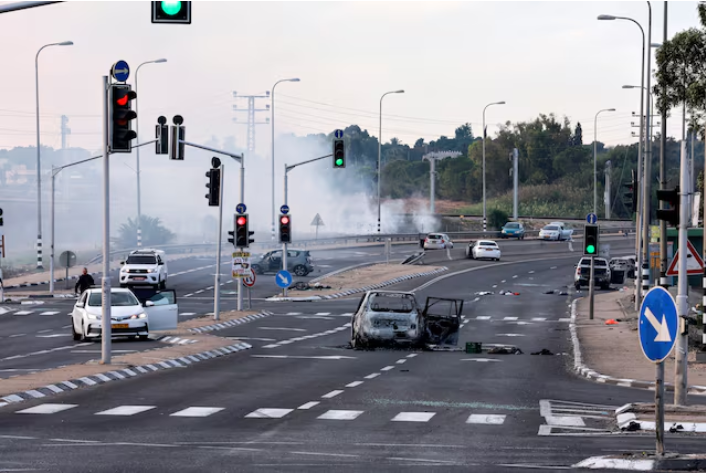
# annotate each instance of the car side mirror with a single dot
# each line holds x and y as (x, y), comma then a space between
(122, 263)
(149, 304)
(161, 263)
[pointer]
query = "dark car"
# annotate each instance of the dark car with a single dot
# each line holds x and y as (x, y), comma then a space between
(298, 262)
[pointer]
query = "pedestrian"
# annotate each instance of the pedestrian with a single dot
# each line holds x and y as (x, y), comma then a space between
(84, 282)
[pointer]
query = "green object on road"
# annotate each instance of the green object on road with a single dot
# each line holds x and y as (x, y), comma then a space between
(171, 8)
(474, 347)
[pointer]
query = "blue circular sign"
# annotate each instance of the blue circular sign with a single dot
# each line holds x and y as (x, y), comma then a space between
(592, 218)
(338, 134)
(283, 278)
(284, 209)
(120, 71)
(658, 324)
(241, 208)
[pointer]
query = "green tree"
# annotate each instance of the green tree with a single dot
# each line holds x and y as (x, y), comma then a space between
(153, 233)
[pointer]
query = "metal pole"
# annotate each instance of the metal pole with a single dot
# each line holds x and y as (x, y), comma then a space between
(137, 164)
(515, 182)
(663, 185)
(23, 5)
(284, 245)
(239, 304)
(106, 322)
(682, 348)
(432, 171)
(380, 160)
(51, 249)
(591, 291)
(595, 154)
(640, 197)
(272, 113)
(217, 282)
(484, 137)
(39, 164)
(659, 408)
(647, 178)
(606, 198)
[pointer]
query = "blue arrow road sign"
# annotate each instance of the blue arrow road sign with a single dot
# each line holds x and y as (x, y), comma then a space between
(284, 209)
(241, 208)
(283, 279)
(592, 218)
(120, 71)
(338, 134)
(658, 323)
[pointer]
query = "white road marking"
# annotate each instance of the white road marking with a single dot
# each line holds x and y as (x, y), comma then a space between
(197, 412)
(185, 314)
(485, 419)
(199, 291)
(332, 394)
(510, 318)
(553, 267)
(539, 319)
(388, 368)
(503, 281)
(354, 384)
(413, 416)
(411, 355)
(47, 408)
(509, 335)
(293, 313)
(515, 276)
(372, 376)
(531, 272)
(188, 295)
(308, 405)
(483, 317)
(480, 360)
(125, 410)
(50, 312)
(564, 320)
(53, 335)
(253, 338)
(45, 330)
(402, 361)
(24, 312)
(268, 413)
(283, 328)
(340, 415)
(323, 313)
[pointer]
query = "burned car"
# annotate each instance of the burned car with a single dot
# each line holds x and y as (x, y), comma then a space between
(395, 318)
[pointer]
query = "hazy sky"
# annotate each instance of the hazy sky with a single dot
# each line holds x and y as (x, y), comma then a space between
(452, 58)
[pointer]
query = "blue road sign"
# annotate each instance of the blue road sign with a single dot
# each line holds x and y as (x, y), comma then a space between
(338, 134)
(241, 208)
(592, 218)
(658, 323)
(284, 209)
(283, 279)
(120, 71)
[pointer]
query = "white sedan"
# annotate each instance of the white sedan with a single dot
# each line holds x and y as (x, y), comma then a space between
(438, 241)
(483, 249)
(129, 317)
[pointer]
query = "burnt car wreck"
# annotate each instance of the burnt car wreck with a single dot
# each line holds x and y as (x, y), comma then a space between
(390, 318)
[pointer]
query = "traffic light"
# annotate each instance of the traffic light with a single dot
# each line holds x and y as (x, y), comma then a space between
(177, 149)
(1, 222)
(339, 154)
(242, 232)
(670, 215)
(285, 229)
(630, 197)
(162, 135)
(122, 133)
(232, 237)
(171, 12)
(214, 187)
(590, 240)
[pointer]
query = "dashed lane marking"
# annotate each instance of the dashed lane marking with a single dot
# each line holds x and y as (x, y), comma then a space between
(268, 413)
(308, 405)
(485, 419)
(340, 415)
(125, 410)
(197, 412)
(47, 408)
(332, 394)
(413, 416)
(354, 384)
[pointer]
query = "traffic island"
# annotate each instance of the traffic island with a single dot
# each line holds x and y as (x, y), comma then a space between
(359, 280)
(645, 462)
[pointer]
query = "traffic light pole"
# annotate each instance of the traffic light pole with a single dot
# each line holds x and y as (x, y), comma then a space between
(106, 320)
(217, 282)
(591, 289)
(682, 347)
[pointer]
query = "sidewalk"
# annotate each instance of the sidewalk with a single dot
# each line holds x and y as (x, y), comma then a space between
(613, 351)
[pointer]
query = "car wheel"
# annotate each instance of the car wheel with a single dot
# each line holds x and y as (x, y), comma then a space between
(76, 335)
(577, 286)
(300, 270)
(143, 337)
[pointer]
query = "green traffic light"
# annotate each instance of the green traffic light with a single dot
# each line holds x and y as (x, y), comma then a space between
(339, 162)
(590, 249)
(171, 8)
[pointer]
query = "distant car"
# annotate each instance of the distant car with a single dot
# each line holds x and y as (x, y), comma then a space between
(483, 249)
(144, 267)
(554, 232)
(129, 316)
(513, 230)
(601, 273)
(438, 241)
(298, 262)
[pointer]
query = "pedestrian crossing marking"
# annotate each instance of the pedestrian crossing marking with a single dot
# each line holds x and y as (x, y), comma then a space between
(413, 416)
(197, 412)
(340, 415)
(125, 410)
(47, 408)
(485, 419)
(268, 413)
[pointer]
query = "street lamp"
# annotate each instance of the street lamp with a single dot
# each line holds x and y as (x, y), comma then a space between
(272, 113)
(595, 141)
(485, 220)
(39, 166)
(137, 139)
(380, 150)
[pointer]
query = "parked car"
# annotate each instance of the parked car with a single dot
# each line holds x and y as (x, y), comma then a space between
(144, 268)
(513, 230)
(395, 318)
(438, 241)
(483, 249)
(129, 316)
(554, 232)
(619, 269)
(601, 273)
(298, 262)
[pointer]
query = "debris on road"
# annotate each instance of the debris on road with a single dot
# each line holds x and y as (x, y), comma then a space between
(508, 293)
(505, 351)
(543, 351)
(485, 293)
(611, 322)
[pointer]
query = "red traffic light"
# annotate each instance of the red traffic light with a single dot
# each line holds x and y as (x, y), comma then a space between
(241, 220)
(122, 100)
(284, 220)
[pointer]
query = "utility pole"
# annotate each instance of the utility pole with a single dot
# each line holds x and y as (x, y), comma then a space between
(606, 195)
(663, 185)
(647, 176)
(682, 348)
(515, 183)
(251, 111)
(65, 130)
(432, 158)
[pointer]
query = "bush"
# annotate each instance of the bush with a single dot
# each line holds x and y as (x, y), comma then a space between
(496, 219)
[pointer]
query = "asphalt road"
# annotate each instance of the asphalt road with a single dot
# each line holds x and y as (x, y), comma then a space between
(302, 401)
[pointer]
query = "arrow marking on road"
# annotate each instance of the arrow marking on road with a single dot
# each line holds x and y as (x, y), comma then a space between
(661, 328)
(307, 357)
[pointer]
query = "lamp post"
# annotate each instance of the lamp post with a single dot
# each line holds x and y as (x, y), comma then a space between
(595, 153)
(137, 131)
(273, 150)
(485, 217)
(39, 164)
(638, 213)
(380, 150)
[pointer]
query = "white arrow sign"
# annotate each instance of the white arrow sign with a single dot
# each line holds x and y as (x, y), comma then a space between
(661, 328)
(283, 278)
(122, 71)
(307, 357)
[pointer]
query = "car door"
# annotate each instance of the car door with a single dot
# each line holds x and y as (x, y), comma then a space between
(78, 312)
(275, 261)
(162, 310)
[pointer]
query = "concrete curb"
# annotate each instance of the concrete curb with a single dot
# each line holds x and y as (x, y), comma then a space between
(119, 374)
(588, 373)
(359, 289)
(33, 284)
(668, 462)
(230, 323)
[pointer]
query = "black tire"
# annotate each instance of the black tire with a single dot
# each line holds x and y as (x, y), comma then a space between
(577, 286)
(300, 270)
(76, 335)
(143, 337)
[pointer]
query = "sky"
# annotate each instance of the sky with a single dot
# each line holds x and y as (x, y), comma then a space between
(451, 58)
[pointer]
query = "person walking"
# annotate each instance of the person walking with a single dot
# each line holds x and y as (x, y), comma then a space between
(84, 282)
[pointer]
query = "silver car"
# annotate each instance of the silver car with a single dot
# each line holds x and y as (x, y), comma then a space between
(438, 241)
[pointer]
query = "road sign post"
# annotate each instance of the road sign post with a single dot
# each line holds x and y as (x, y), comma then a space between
(682, 350)
(657, 329)
(283, 279)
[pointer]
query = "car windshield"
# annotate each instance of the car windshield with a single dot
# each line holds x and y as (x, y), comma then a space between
(141, 259)
(488, 243)
(551, 227)
(117, 299)
(403, 303)
(512, 225)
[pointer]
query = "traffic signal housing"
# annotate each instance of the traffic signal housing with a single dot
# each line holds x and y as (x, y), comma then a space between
(1, 222)
(214, 187)
(171, 12)
(242, 231)
(231, 238)
(162, 136)
(285, 229)
(339, 154)
(122, 134)
(177, 150)
(590, 240)
(671, 197)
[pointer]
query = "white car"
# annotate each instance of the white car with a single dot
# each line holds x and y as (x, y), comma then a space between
(483, 249)
(128, 315)
(144, 267)
(438, 241)
(555, 232)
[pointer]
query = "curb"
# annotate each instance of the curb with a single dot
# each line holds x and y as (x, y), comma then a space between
(32, 284)
(360, 289)
(588, 373)
(119, 374)
(230, 323)
(670, 462)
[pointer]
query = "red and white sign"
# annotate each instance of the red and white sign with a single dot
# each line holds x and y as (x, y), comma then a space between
(249, 281)
(694, 263)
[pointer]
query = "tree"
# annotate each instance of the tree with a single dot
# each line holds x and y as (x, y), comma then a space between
(153, 233)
